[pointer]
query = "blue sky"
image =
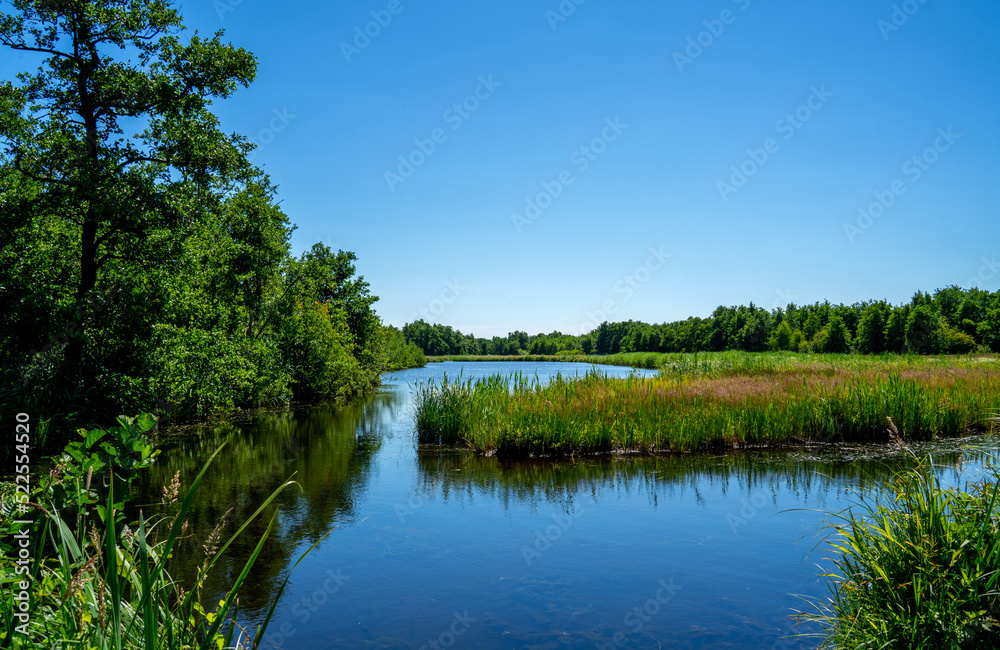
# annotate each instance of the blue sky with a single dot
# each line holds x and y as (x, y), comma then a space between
(757, 151)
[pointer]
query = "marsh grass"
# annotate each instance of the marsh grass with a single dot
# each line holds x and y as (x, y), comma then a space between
(721, 401)
(917, 567)
(649, 360)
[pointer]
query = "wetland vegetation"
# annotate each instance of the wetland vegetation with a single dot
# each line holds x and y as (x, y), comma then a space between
(715, 401)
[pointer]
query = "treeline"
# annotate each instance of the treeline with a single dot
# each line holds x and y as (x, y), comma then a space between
(151, 271)
(951, 321)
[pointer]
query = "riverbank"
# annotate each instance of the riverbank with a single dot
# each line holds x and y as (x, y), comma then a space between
(715, 401)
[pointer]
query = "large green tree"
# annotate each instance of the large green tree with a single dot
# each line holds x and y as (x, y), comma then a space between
(111, 139)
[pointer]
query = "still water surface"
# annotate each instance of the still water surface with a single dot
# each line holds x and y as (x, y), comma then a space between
(437, 548)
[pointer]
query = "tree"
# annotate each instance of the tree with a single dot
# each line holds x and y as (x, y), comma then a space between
(782, 337)
(895, 329)
(871, 329)
(812, 324)
(922, 329)
(753, 335)
(65, 129)
(989, 330)
(837, 338)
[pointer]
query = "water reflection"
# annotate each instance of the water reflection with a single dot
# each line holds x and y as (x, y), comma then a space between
(811, 477)
(328, 451)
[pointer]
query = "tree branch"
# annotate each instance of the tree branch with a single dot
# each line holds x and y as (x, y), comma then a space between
(44, 50)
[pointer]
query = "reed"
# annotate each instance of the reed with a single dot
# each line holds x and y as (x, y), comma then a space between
(917, 567)
(723, 401)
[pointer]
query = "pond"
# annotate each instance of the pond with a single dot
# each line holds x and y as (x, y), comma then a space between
(433, 547)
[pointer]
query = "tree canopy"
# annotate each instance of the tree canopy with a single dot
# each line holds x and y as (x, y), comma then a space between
(144, 261)
(951, 321)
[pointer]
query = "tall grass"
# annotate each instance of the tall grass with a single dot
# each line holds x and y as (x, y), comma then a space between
(712, 402)
(98, 583)
(650, 360)
(918, 568)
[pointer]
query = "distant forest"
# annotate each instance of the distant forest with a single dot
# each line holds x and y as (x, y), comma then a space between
(951, 321)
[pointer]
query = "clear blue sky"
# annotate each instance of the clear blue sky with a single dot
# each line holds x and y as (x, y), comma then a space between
(839, 95)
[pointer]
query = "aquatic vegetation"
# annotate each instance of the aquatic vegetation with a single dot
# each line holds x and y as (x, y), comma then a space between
(713, 401)
(917, 567)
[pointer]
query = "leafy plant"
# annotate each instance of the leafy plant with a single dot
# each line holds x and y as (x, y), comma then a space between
(98, 583)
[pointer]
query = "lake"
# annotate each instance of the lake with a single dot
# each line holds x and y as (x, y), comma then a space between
(436, 548)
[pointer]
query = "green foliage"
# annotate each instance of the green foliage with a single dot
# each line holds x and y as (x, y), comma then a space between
(97, 582)
(895, 330)
(318, 344)
(400, 353)
(105, 462)
(836, 338)
(781, 339)
(797, 342)
(871, 337)
(989, 330)
(918, 567)
(868, 328)
(922, 330)
(149, 267)
(204, 372)
(953, 341)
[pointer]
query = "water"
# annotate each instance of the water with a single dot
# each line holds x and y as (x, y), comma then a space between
(440, 547)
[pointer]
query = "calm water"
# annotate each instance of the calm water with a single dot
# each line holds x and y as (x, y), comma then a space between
(437, 548)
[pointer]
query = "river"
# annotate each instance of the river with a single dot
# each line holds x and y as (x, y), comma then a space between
(433, 547)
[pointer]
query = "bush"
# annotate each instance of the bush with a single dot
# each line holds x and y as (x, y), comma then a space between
(202, 373)
(319, 349)
(952, 341)
(782, 337)
(400, 354)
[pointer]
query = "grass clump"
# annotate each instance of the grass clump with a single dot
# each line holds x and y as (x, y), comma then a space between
(918, 567)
